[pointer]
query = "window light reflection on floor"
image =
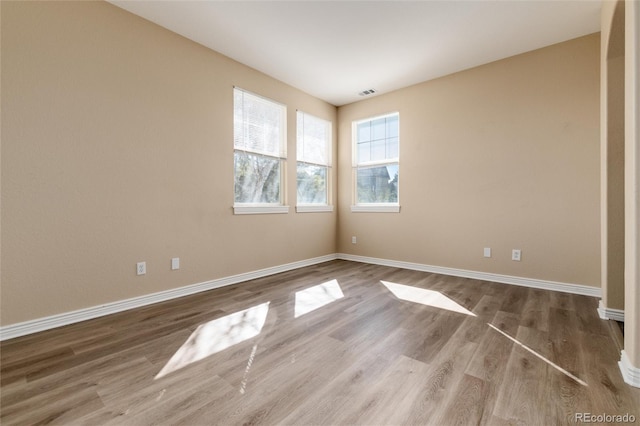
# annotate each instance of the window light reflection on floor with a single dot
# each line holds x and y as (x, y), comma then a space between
(531, 351)
(218, 335)
(315, 297)
(425, 297)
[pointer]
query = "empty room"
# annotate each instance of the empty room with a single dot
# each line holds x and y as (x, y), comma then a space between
(319, 212)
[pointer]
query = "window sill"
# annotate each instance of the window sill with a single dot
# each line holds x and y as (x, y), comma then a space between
(376, 208)
(266, 209)
(309, 208)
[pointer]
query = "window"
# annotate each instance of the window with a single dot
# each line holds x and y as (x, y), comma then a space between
(259, 135)
(376, 163)
(314, 160)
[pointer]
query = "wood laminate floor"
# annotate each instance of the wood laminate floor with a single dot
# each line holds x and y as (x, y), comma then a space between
(335, 343)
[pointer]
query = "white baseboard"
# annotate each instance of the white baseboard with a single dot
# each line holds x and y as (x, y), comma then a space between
(630, 373)
(610, 313)
(484, 276)
(41, 324)
(59, 320)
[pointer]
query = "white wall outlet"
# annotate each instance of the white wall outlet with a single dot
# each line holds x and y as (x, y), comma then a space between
(516, 255)
(487, 252)
(354, 240)
(175, 263)
(141, 268)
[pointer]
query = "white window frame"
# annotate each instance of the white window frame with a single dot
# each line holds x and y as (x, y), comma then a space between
(264, 208)
(357, 207)
(314, 207)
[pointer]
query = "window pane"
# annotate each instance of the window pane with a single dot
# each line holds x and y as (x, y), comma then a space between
(378, 150)
(378, 129)
(377, 184)
(392, 126)
(364, 152)
(377, 139)
(364, 132)
(376, 165)
(312, 184)
(392, 148)
(257, 178)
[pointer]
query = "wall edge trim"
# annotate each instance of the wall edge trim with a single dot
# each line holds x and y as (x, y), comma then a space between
(610, 313)
(46, 323)
(630, 373)
(483, 276)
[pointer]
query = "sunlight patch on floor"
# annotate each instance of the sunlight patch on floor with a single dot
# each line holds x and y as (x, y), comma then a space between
(528, 349)
(315, 297)
(245, 378)
(425, 297)
(218, 335)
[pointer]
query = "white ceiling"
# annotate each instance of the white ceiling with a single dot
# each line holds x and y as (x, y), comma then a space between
(336, 49)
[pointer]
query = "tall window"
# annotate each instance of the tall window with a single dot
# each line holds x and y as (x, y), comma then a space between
(376, 162)
(314, 161)
(259, 135)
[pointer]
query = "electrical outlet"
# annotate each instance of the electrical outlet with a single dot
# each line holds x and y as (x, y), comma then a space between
(141, 268)
(354, 240)
(487, 252)
(175, 263)
(516, 255)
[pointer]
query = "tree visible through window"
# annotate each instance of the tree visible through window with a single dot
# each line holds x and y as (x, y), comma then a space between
(314, 155)
(376, 144)
(259, 148)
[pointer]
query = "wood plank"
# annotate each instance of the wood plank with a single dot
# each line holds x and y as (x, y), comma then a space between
(608, 392)
(445, 376)
(391, 397)
(524, 398)
(467, 406)
(366, 358)
(336, 398)
(535, 312)
(58, 405)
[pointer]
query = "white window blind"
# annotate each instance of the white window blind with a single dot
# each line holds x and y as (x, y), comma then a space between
(314, 139)
(259, 135)
(259, 124)
(314, 159)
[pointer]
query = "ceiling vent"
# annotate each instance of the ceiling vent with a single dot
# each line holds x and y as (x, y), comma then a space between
(367, 92)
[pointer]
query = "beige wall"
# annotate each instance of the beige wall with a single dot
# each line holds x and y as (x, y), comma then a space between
(632, 186)
(505, 155)
(612, 153)
(117, 147)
